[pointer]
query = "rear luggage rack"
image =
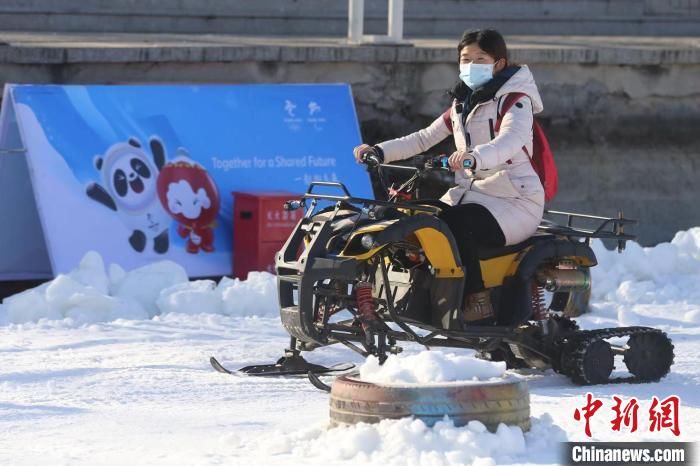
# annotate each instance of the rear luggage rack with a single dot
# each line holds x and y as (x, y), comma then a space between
(605, 227)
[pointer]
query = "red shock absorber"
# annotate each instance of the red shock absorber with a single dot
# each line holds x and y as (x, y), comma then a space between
(365, 302)
(539, 311)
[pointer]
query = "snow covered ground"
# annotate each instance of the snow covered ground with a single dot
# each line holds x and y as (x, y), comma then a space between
(112, 368)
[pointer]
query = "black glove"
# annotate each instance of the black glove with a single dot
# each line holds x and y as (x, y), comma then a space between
(369, 155)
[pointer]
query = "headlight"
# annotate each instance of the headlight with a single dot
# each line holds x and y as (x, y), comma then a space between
(367, 242)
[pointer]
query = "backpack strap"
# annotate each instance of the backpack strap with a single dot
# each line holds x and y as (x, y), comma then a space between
(447, 118)
(508, 102)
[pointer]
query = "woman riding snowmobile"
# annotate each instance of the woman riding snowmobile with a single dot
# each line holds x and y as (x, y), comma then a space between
(468, 272)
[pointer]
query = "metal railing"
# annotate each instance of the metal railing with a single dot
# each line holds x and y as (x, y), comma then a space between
(356, 21)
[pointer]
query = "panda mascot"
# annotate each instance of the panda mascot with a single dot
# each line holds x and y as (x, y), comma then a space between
(128, 187)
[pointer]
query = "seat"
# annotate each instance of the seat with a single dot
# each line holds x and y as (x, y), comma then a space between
(490, 253)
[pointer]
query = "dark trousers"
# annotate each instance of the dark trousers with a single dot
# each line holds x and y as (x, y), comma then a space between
(473, 227)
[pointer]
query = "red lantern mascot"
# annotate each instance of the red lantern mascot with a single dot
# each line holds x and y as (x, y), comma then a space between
(190, 196)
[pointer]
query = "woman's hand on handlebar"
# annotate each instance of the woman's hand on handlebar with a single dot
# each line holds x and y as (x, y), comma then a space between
(364, 153)
(461, 160)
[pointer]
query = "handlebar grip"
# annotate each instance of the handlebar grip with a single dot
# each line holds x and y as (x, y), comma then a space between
(371, 160)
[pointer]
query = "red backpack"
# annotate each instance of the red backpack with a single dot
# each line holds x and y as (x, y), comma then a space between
(542, 159)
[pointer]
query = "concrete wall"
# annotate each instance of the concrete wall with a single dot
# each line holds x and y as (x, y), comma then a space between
(623, 119)
(443, 18)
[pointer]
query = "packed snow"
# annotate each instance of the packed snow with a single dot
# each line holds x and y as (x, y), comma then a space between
(431, 367)
(107, 366)
(409, 441)
(91, 293)
(656, 285)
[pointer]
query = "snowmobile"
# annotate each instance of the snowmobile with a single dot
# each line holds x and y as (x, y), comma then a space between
(372, 274)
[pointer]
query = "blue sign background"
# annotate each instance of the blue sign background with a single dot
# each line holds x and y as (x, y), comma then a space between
(247, 137)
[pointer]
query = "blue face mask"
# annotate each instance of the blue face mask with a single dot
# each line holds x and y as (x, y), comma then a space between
(475, 75)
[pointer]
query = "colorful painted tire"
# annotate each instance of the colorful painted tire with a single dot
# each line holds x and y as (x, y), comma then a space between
(491, 403)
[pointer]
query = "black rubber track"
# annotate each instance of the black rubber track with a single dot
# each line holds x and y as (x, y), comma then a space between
(649, 355)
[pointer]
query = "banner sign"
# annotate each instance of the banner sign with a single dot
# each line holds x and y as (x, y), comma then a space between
(145, 173)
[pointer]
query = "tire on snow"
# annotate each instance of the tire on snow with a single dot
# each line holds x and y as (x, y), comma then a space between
(491, 403)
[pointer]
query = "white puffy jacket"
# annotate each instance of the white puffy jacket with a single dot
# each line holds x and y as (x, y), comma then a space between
(504, 181)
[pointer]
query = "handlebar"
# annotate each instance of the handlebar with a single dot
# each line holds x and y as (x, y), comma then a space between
(439, 162)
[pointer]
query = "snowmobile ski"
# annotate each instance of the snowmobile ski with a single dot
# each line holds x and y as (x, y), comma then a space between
(285, 366)
(218, 367)
(318, 383)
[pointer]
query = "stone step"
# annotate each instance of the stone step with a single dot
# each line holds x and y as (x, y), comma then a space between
(443, 18)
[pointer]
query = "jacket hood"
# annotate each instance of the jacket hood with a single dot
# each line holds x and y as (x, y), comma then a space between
(523, 81)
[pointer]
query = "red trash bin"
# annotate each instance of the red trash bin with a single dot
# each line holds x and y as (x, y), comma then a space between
(260, 228)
